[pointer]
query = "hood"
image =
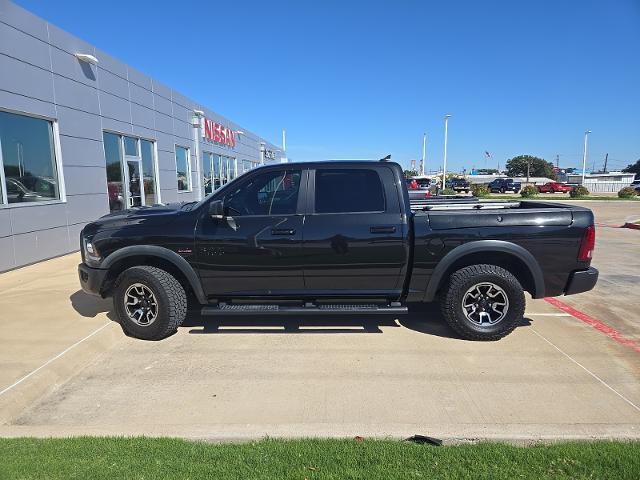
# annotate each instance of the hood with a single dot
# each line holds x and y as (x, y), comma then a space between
(156, 214)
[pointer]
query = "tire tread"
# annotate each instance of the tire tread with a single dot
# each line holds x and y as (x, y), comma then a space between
(451, 298)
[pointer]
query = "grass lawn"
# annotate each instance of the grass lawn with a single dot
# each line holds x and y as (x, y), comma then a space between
(144, 458)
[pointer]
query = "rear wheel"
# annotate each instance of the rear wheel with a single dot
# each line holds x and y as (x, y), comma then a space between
(483, 302)
(150, 303)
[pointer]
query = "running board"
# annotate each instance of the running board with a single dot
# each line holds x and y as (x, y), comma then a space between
(226, 309)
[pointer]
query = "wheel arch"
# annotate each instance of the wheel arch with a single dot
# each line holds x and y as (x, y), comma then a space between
(156, 256)
(507, 255)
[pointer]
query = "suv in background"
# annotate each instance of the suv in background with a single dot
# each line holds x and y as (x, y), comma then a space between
(459, 185)
(503, 185)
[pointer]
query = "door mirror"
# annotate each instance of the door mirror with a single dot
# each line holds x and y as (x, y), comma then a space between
(216, 209)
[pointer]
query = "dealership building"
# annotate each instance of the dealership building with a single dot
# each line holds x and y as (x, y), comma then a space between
(83, 134)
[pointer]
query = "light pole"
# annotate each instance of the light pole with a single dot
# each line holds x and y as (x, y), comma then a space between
(424, 153)
(444, 166)
(584, 155)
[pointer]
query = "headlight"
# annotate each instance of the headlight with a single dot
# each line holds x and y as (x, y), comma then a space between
(91, 256)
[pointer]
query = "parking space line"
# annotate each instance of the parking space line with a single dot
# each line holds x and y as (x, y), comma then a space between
(18, 382)
(586, 369)
(595, 323)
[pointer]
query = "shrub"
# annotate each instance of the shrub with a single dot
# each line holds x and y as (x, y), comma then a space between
(579, 191)
(528, 191)
(627, 192)
(479, 190)
(448, 191)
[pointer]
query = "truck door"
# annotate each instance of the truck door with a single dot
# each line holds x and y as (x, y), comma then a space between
(257, 249)
(354, 235)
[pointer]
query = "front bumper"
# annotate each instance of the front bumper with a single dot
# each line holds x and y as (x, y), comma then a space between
(581, 281)
(91, 279)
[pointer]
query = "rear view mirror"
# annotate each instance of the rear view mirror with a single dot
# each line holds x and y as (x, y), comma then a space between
(216, 209)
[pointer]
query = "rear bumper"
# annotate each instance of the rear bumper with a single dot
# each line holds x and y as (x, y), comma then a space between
(91, 279)
(581, 281)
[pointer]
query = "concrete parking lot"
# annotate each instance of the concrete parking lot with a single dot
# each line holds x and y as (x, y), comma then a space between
(67, 369)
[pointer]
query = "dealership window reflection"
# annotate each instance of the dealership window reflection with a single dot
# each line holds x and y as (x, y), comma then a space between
(131, 171)
(218, 170)
(28, 159)
(183, 169)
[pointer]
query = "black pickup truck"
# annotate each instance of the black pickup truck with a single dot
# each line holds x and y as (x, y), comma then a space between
(335, 238)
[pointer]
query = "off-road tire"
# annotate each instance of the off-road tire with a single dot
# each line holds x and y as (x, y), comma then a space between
(170, 295)
(465, 278)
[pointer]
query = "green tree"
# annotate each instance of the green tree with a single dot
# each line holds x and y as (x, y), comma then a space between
(633, 168)
(538, 167)
(410, 173)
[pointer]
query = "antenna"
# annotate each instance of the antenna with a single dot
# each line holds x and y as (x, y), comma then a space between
(386, 159)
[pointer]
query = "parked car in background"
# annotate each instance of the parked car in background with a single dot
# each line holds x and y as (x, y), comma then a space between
(459, 185)
(503, 185)
(420, 193)
(553, 187)
(17, 192)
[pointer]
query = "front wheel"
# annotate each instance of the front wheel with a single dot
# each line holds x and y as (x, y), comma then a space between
(483, 302)
(150, 303)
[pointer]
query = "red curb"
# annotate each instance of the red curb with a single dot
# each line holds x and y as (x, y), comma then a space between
(595, 323)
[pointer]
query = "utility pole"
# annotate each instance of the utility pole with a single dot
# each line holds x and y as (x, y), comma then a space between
(444, 166)
(284, 141)
(424, 153)
(584, 154)
(528, 168)
(606, 157)
(558, 162)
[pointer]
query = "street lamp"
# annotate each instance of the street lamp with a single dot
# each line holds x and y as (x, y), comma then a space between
(424, 153)
(584, 155)
(444, 166)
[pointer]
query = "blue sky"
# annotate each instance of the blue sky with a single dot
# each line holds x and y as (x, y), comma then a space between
(364, 79)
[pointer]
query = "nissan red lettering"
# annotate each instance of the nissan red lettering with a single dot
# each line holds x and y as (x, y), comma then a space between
(218, 133)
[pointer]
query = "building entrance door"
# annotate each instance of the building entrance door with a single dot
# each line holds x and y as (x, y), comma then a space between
(135, 198)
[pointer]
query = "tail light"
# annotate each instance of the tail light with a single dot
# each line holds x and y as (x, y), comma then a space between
(588, 244)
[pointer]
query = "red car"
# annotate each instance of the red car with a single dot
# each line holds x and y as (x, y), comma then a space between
(553, 187)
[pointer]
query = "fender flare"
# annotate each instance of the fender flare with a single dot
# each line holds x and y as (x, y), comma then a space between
(486, 246)
(164, 253)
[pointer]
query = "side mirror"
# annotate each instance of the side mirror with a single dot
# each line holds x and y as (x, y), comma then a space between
(216, 209)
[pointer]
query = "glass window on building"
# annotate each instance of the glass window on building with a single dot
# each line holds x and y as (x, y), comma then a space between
(183, 169)
(28, 159)
(131, 171)
(130, 146)
(113, 158)
(207, 170)
(148, 171)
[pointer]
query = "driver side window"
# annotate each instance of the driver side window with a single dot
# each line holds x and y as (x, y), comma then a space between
(270, 193)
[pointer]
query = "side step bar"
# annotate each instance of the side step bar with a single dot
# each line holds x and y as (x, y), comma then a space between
(226, 309)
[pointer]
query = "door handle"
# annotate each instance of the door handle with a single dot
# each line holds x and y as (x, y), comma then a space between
(382, 229)
(282, 231)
